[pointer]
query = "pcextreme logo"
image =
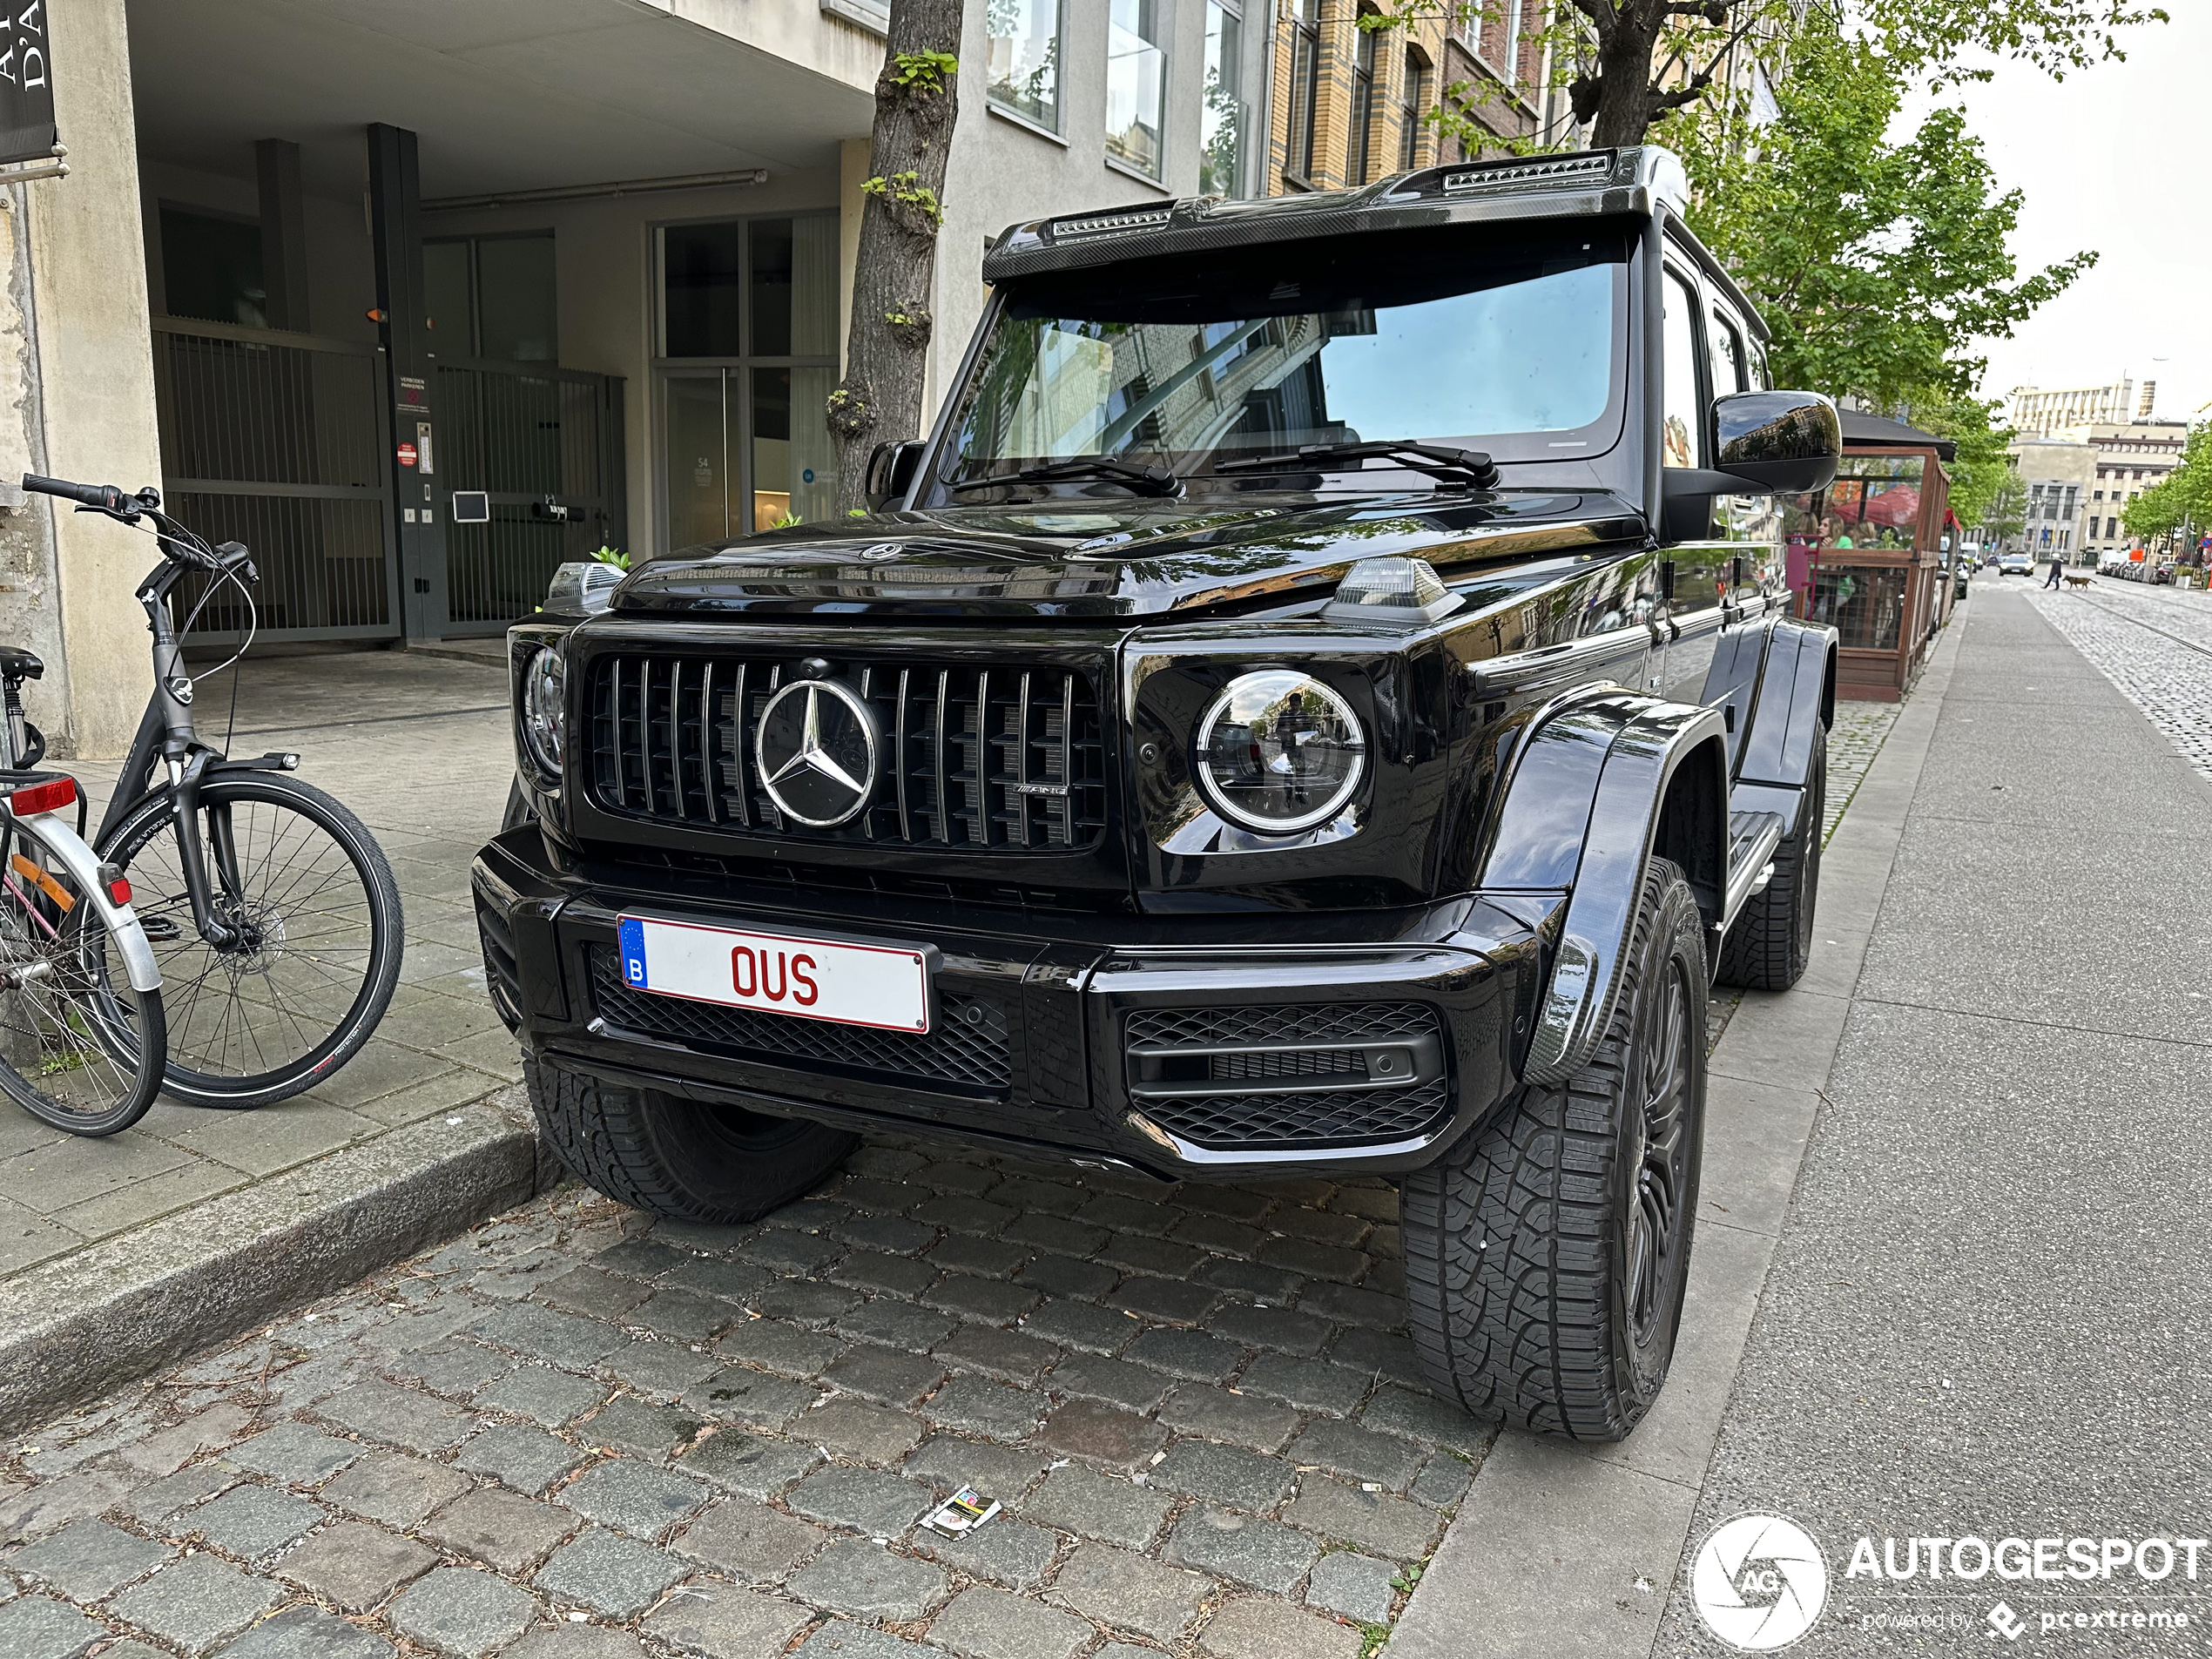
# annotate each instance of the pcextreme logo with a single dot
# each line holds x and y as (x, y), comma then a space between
(1759, 1582)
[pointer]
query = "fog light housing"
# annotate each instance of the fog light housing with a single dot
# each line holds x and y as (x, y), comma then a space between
(1277, 751)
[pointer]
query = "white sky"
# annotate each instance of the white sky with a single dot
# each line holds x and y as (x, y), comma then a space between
(2110, 159)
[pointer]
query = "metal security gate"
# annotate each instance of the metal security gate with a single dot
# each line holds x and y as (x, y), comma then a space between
(282, 440)
(546, 445)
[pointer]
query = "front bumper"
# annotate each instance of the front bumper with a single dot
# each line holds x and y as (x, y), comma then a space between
(1326, 1043)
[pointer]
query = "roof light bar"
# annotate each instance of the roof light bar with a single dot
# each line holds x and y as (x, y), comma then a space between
(1097, 224)
(1567, 169)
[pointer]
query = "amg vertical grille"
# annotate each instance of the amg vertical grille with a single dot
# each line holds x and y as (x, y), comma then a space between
(1008, 759)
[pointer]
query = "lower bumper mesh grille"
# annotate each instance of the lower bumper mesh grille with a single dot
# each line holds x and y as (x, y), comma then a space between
(1289, 1074)
(969, 1049)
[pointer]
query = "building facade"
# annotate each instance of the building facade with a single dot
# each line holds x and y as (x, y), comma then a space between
(2130, 458)
(2058, 473)
(419, 302)
(1351, 104)
(2037, 412)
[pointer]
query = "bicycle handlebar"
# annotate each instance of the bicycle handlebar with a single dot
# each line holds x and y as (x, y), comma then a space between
(178, 544)
(101, 498)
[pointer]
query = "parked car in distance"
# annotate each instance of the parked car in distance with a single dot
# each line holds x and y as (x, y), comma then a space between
(1321, 703)
(2016, 564)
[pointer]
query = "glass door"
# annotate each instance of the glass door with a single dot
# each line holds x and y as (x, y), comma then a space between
(746, 361)
(699, 449)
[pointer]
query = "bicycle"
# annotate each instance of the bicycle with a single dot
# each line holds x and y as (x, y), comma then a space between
(75, 1051)
(269, 907)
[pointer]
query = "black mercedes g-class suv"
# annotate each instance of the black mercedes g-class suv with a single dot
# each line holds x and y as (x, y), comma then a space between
(1322, 700)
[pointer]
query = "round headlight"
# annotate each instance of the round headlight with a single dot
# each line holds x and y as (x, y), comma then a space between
(544, 682)
(1278, 751)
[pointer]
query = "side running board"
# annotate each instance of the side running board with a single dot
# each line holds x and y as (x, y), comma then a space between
(1752, 838)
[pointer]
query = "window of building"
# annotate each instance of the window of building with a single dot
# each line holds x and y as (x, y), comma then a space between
(1363, 100)
(1022, 54)
(1221, 142)
(211, 267)
(748, 354)
(1135, 83)
(1509, 41)
(1681, 413)
(1305, 89)
(493, 296)
(1413, 94)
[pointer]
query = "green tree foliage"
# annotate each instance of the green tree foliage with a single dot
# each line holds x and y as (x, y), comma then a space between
(2006, 517)
(1628, 66)
(2184, 497)
(1876, 265)
(1982, 468)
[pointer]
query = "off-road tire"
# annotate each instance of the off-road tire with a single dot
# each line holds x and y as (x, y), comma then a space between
(1518, 1244)
(678, 1158)
(1769, 944)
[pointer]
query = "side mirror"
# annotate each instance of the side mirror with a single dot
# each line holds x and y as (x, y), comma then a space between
(1766, 443)
(891, 471)
(1785, 442)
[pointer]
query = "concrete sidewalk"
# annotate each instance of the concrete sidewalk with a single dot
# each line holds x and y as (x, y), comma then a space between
(117, 1254)
(1987, 1314)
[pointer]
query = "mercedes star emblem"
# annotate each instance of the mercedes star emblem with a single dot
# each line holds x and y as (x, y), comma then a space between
(817, 745)
(882, 550)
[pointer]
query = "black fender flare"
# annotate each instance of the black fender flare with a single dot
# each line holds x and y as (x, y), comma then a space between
(1780, 681)
(1605, 779)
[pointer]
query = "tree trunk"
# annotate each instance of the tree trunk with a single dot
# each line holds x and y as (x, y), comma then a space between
(916, 96)
(1625, 104)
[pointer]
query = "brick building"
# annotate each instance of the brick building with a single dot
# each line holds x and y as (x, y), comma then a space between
(1350, 105)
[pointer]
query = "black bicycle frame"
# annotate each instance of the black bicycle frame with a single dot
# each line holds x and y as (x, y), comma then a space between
(167, 735)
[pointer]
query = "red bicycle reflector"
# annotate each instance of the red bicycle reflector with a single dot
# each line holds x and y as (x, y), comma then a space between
(42, 798)
(119, 890)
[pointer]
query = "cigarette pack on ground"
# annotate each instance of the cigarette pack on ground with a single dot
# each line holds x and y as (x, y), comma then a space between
(963, 1511)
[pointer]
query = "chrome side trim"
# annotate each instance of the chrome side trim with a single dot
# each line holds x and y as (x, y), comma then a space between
(1201, 1157)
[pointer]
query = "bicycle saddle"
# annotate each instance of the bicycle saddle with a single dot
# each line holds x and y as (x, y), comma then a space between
(16, 663)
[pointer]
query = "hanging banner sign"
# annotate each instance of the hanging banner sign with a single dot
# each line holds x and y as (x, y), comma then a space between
(27, 131)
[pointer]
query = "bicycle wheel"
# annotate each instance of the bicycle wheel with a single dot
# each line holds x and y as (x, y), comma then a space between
(79, 1048)
(319, 936)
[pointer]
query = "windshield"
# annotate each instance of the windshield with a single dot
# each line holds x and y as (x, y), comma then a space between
(1425, 336)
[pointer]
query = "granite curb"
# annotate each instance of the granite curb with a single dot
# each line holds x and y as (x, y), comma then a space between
(125, 1307)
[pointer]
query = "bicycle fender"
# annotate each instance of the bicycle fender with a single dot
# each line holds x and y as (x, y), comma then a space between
(83, 867)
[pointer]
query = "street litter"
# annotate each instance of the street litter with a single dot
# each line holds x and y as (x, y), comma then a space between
(960, 1514)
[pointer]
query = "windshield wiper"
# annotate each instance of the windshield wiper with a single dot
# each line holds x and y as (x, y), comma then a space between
(1469, 466)
(1145, 481)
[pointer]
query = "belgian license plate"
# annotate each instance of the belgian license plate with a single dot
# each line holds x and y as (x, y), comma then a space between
(883, 986)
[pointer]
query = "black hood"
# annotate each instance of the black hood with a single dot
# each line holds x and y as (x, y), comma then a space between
(1109, 561)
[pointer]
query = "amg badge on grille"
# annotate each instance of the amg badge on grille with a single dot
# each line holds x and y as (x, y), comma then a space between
(817, 745)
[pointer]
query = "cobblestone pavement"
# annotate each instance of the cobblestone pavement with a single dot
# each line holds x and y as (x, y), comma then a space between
(2154, 643)
(418, 748)
(1197, 1406)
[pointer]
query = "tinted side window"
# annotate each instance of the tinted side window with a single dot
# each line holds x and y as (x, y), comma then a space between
(1731, 370)
(1682, 413)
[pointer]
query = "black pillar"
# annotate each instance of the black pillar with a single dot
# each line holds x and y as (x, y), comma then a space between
(394, 203)
(284, 234)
